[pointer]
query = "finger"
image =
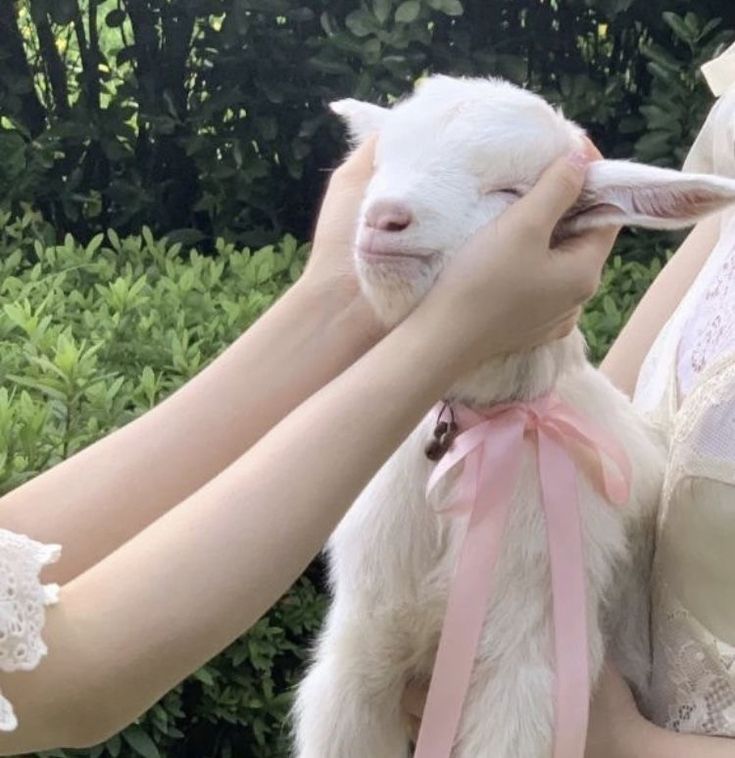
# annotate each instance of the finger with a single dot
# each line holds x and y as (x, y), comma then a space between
(593, 247)
(592, 151)
(359, 163)
(556, 191)
(563, 328)
(568, 325)
(414, 726)
(414, 699)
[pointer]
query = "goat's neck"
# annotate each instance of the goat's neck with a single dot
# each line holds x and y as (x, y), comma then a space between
(521, 376)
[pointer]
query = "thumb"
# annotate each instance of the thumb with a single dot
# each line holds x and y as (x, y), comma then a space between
(359, 163)
(557, 190)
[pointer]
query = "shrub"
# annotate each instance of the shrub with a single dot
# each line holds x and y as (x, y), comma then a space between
(91, 336)
(624, 282)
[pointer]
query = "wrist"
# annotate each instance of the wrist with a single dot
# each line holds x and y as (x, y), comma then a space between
(338, 305)
(434, 348)
(639, 738)
(455, 341)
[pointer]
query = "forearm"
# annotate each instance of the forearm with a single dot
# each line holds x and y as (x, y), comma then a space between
(139, 621)
(104, 495)
(623, 361)
(653, 742)
(617, 729)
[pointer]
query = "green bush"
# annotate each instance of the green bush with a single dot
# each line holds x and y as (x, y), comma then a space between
(623, 285)
(208, 118)
(91, 336)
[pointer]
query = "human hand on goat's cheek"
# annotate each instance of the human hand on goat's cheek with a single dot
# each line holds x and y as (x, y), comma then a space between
(331, 265)
(508, 289)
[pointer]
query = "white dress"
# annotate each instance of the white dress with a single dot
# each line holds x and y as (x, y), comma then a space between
(23, 600)
(687, 384)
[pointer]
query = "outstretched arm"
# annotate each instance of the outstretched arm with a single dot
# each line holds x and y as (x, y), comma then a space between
(623, 361)
(107, 493)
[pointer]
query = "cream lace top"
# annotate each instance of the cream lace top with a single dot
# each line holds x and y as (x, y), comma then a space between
(687, 384)
(22, 608)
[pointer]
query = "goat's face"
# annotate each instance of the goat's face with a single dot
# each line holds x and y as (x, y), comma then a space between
(457, 153)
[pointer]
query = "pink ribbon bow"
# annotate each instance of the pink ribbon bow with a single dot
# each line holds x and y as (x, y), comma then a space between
(491, 449)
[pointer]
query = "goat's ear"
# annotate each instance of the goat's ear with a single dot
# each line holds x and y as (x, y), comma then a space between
(362, 119)
(619, 193)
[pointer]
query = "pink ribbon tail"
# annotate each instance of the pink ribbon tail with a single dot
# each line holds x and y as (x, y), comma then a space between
(566, 555)
(470, 590)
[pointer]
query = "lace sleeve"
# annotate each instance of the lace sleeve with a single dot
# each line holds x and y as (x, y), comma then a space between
(22, 607)
(712, 152)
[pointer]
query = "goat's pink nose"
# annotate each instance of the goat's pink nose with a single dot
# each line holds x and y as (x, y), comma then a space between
(388, 216)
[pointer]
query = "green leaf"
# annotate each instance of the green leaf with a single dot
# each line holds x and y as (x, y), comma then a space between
(140, 742)
(408, 11)
(114, 239)
(94, 244)
(360, 23)
(679, 27)
(12, 149)
(451, 7)
(115, 18)
(382, 9)
(663, 57)
(204, 677)
(709, 27)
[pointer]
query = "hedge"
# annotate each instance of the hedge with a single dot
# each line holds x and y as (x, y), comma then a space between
(91, 335)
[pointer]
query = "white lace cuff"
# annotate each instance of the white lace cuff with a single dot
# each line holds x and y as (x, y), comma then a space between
(22, 607)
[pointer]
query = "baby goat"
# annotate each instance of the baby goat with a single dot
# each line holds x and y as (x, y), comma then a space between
(449, 159)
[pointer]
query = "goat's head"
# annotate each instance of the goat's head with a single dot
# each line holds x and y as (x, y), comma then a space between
(458, 152)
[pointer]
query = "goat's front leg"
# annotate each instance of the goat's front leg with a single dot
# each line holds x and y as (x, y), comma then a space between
(508, 712)
(348, 706)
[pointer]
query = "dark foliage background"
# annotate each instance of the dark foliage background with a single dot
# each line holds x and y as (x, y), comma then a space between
(207, 117)
(135, 132)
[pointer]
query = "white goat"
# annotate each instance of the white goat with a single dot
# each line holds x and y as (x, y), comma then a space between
(449, 158)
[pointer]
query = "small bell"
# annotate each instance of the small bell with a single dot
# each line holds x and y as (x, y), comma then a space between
(444, 434)
(440, 429)
(434, 450)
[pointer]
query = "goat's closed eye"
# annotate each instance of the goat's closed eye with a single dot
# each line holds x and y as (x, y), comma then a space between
(493, 189)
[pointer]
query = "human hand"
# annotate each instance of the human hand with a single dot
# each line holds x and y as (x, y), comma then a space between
(614, 718)
(331, 259)
(509, 289)
(330, 271)
(412, 704)
(616, 729)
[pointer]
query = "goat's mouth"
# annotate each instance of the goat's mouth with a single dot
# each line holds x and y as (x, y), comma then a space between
(391, 256)
(377, 247)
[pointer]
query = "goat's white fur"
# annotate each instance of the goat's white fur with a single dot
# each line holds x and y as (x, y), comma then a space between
(450, 153)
